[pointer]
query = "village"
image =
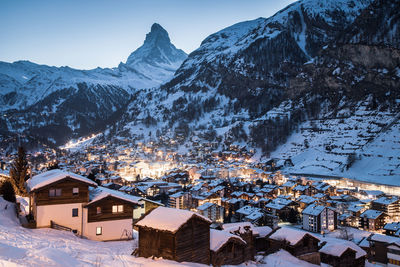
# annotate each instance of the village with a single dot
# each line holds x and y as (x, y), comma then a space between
(237, 209)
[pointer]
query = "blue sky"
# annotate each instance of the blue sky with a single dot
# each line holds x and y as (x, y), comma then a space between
(87, 33)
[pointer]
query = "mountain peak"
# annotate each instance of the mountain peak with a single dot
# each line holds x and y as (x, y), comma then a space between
(157, 49)
(157, 35)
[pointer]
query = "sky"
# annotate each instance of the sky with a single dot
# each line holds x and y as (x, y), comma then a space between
(86, 34)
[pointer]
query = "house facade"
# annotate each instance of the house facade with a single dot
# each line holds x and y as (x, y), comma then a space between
(318, 218)
(72, 202)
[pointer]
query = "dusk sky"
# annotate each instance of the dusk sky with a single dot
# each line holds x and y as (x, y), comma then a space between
(87, 34)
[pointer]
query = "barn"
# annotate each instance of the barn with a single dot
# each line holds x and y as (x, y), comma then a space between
(174, 234)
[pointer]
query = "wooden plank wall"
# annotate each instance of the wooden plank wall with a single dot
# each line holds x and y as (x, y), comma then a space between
(106, 210)
(42, 195)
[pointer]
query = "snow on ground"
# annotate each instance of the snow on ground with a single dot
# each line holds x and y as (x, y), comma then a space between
(48, 247)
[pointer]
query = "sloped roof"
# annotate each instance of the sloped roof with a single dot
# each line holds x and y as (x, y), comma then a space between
(99, 193)
(168, 219)
(219, 238)
(293, 236)
(52, 176)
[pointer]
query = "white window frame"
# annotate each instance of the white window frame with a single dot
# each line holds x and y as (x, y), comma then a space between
(99, 230)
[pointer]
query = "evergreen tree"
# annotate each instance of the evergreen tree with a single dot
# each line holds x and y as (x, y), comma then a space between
(7, 190)
(19, 172)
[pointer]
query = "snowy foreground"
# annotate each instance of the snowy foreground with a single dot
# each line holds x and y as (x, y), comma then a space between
(47, 247)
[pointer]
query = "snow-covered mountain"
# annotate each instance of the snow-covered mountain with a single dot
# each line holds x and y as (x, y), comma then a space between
(37, 97)
(259, 83)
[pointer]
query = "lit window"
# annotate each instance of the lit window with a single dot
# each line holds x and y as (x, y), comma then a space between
(117, 208)
(75, 191)
(98, 210)
(120, 208)
(74, 212)
(99, 230)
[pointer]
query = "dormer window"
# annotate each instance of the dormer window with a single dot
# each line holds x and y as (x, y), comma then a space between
(55, 192)
(75, 191)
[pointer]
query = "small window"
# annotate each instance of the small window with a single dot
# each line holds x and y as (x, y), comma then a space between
(117, 208)
(120, 208)
(58, 192)
(99, 230)
(74, 212)
(98, 210)
(52, 193)
(75, 191)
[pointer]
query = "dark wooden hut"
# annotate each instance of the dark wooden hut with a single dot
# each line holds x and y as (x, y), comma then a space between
(226, 248)
(174, 234)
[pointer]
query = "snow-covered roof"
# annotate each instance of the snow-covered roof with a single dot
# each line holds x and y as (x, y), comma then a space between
(219, 238)
(205, 206)
(336, 247)
(371, 214)
(313, 210)
(96, 194)
(53, 176)
(261, 231)
(385, 239)
(168, 219)
(306, 199)
(386, 200)
(394, 226)
(293, 236)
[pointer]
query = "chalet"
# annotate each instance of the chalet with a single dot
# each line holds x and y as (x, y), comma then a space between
(279, 206)
(341, 253)
(301, 190)
(372, 220)
(318, 218)
(299, 243)
(64, 200)
(391, 228)
(109, 215)
(304, 201)
(174, 234)
(388, 205)
(245, 231)
(384, 249)
(226, 248)
(212, 211)
(180, 200)
(58, 197)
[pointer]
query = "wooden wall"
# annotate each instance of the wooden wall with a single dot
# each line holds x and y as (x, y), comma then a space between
(191, 243)
(106, 210)
(41, 196)
(348, 259)
(156, 243)
(232, 253)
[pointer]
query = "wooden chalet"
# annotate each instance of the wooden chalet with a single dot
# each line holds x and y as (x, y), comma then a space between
(57, 196)
(338, 253)
(226, 248)
(174, 234)
(372, 220)
(300, 244)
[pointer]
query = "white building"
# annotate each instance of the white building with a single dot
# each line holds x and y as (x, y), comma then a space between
(318, 218)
